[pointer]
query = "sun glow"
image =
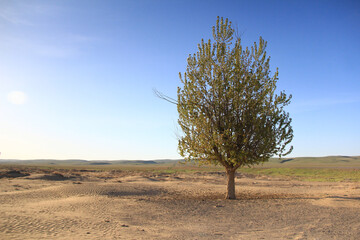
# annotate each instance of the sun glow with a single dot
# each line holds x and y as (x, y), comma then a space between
(17, 97)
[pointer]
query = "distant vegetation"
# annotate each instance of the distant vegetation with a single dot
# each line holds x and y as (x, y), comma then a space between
(308, 174)
(332, 168)
(311, 162)
(299, 162)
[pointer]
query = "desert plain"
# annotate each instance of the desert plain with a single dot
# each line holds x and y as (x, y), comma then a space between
(106, 203)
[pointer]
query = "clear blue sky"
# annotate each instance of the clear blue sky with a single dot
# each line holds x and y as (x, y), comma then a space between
(76, 77)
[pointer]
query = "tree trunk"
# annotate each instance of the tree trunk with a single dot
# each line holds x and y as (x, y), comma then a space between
(230, 194)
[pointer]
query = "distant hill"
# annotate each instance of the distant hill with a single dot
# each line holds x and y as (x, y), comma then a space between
(329, 161)
(81, 162)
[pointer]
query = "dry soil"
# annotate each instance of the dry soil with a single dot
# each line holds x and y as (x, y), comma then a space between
(134, 205)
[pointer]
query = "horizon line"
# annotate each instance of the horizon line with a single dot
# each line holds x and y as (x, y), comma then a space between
(156, 159)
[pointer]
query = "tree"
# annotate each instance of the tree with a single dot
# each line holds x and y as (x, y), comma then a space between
(228, 109)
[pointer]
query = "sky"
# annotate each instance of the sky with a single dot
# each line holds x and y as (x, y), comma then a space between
(77, 77)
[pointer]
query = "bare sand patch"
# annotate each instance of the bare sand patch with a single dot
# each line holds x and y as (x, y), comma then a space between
(142, 205)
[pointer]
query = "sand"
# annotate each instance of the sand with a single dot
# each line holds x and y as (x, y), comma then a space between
(134, 205)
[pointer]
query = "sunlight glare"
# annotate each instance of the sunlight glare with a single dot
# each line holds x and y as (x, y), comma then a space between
(17, 97)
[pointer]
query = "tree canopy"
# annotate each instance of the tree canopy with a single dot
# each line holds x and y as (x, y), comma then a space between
(229, 110)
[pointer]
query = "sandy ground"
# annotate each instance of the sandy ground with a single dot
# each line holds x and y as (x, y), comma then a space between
(120, 205)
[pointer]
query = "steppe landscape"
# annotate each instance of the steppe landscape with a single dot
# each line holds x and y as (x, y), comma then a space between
(112, 112)
(174, 201)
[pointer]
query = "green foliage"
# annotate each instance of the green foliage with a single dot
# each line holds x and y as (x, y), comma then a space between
(228, 109)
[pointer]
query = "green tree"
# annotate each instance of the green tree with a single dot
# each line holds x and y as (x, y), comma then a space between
(228, 109)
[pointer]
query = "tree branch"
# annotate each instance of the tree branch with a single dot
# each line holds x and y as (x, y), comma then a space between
(164, 97)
